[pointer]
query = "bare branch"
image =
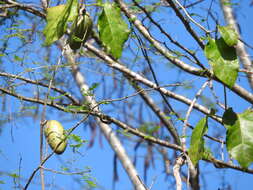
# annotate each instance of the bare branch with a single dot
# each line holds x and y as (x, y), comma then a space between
(36, 82)
(106, 129)
(240, 48)
(169, 37)
(127, 128)
(236, 88)
(190, 18)
(65, 173)
(136, 77)
(158, 112)
(186, 23)
(176, 171)
(26, 7)
(190, 69)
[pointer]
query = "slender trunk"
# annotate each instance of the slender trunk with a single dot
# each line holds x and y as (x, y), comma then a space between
(105, 128)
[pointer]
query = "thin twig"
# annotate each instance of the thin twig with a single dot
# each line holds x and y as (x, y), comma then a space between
(36, 82)
(190, 18)
(65, 173)
(147, 99)
(189, 112)
(169, 37)
(138, 78)
(179, 63)
(186, 23)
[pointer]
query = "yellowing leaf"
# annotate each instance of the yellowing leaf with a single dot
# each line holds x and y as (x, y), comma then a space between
(57, 18)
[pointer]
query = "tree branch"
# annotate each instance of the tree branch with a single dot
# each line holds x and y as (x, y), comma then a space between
(149, 101)
(26, 7)
(203, 73)
(36, 82)
(190, 69)
(106, 129)
(240, 48)
(127, 128)
(137, 77)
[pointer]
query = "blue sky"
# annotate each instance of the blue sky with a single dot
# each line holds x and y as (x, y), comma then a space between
(19, 140)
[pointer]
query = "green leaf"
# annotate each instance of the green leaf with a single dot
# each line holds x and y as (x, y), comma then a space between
(197, 148)
(239, 138)
(63, 168)
(149, 128)
(207, 154)
(229, 35)
(91, 181)
(223, 60)
(14, 175)
(79, 142)
(93, 86)
(57, 18)
(125, 133)
(113, 30)
(17, 58)
(57, 97)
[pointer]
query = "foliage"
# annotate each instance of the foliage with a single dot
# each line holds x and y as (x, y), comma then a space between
(229, 35)
(197, 146)
(223, 60)
(239, 136)
(113, 30)
(57, 19)
(131, 72)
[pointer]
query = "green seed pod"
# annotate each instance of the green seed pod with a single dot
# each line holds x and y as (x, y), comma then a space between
(80, 31)
(54, 134)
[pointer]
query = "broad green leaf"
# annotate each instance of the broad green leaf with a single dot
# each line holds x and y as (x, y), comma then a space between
(113, 30)
(229, 35)
(197, 148)
(57, 18)
(239, 138)
(223, 60)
